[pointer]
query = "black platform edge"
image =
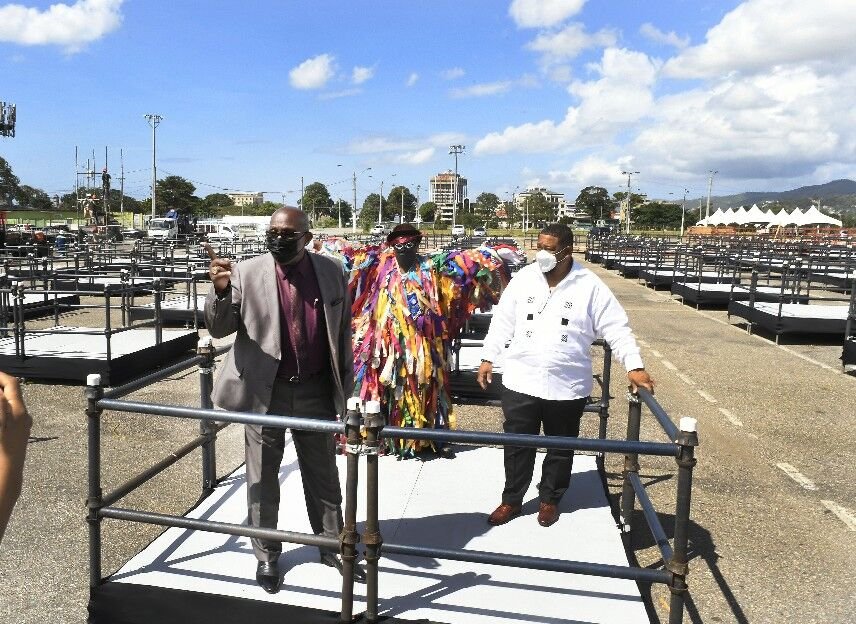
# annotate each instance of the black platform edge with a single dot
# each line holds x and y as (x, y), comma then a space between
(786, 324)
(848, 353)
(129, 603)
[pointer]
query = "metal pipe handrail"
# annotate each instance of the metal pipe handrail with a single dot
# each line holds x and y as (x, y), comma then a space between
(650, 514)
(182, 522)
(243, 418)
(532, 563)
(133, 483)
(659, 413)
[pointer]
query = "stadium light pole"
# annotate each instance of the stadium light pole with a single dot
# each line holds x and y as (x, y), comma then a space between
(683, 212)
(154, 121)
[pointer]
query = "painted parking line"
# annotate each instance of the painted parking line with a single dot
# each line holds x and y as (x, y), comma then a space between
(796, 475)
(731, 417)
(686, 379)
(845, 515)
(706, 396)
(669, 365)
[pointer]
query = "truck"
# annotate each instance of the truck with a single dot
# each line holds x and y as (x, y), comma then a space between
(163, 228)
(217, 231)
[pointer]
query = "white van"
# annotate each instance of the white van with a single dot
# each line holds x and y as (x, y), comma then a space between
(216, 231)
(164, 228)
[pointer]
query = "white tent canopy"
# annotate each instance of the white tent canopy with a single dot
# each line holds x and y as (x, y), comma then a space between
(813, 216)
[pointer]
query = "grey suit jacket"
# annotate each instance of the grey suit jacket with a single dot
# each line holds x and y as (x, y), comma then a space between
(250, 306)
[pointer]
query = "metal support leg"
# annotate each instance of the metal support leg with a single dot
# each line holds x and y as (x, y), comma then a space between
(677, 565)
(93, 394)
(372, 538)
(350, 538)
(206, 427)
(631, 462)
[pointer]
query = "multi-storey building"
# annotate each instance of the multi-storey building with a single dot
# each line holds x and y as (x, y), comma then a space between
(246, 199)
(556, 200)
(442, 193)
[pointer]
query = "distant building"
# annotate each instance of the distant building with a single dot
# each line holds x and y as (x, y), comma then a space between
(556, 200)
(442, 192)
(246, 199)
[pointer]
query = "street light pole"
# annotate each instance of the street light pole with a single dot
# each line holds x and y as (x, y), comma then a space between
(154, 121)
(455, 149)
(627, 211)
(709, 189)
(683, 212)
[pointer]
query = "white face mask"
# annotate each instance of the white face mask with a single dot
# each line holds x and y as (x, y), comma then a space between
(546, 260)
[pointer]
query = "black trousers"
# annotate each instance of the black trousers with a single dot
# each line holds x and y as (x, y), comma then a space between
(525, 414)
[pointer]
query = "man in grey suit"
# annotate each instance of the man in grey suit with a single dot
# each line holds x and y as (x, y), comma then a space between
(292, 356)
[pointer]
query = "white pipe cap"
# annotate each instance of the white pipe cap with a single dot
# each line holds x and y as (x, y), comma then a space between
(205, 342)
(354, 403)
(688, 424)
(372, 407)
(93, 379)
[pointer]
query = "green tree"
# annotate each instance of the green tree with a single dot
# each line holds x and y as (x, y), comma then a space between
(176, 192)
(512, 214)
(485, 209)
(595, 202)
(8, 183)
(347, 211)
(657, 215)
(394, 201)
(214, 204)
(368, 213)
(540, 210)
(33, 198)
(428, 211)
(316, 201)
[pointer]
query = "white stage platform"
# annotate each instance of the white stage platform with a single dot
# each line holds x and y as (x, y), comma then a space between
(438, 503)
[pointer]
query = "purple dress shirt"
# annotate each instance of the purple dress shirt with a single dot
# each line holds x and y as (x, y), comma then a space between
(315, 358)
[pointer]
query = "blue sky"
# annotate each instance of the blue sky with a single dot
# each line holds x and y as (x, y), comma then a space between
(557, 93)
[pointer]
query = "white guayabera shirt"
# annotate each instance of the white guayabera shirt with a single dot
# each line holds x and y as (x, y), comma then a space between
(549, 333)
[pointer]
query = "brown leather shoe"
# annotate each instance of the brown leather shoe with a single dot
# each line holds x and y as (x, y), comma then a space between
(503, 514)
(548, 513)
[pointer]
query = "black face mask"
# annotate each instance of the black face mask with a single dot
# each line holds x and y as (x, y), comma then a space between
(406, 258)
(284, 249)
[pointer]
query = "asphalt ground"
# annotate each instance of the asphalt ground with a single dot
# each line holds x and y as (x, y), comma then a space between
(764, 546)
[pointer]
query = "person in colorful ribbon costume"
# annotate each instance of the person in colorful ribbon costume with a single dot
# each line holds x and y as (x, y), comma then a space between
(407, 309)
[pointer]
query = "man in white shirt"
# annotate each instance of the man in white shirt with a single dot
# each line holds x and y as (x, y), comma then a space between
(549, 315)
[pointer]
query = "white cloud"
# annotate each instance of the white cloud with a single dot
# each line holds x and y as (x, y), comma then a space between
(412, 79)
(334, 95)
(593, 170)
(313, 73)
(418, 157)
(452, 73)
(656, 35)
(759, 34)
(543, 13)
(567, 43)
(68, 25)
(483, 89)
(361, 74)
(619, 98)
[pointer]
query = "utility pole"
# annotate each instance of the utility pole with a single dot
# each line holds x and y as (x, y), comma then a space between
(456, 149)
(354, 209)
(627, 199)
(683, 212)
(417, 216)
(401, 219)
(154, 122)
(709, 189)
(380, 204)
(122, 183)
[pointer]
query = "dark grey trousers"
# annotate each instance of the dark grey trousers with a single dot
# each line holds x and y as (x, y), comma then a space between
(315, 457)
(525, 414)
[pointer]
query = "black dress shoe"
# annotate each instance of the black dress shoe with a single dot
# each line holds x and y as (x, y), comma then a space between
(333, 560)
(267, 576)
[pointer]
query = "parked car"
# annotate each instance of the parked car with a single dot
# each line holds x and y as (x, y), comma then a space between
(379, 229)
(458, 230)
(479, 231)
(599, 231)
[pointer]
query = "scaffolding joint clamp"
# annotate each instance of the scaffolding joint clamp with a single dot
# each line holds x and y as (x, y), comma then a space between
(632, 397)
(679, 569)
(354, 449)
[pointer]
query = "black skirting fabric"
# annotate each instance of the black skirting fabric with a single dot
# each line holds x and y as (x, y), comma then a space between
(128, 603)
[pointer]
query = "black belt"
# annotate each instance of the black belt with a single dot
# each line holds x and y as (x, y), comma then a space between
(294, 379)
